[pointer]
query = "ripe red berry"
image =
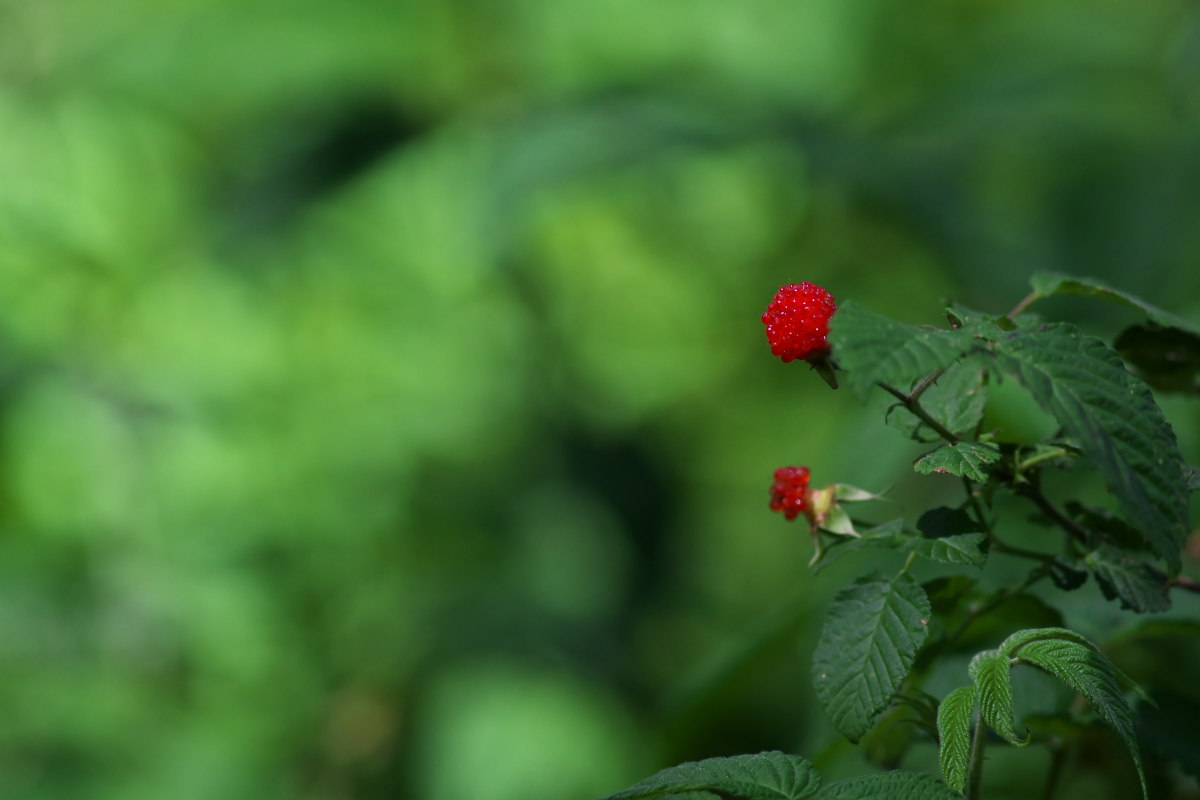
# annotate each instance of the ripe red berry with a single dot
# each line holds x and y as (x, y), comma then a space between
(789, 493)
(798, 322)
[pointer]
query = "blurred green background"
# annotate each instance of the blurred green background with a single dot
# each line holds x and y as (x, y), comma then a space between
(384, 408)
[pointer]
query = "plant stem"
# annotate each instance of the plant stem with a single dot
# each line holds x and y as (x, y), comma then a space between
(1187, 584)
(975, 773)
(1034, 492)
(911, 402)
(1058, 759)
(1025, 303)
(996, 543)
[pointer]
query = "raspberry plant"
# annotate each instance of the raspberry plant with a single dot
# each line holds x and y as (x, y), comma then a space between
(885, 634)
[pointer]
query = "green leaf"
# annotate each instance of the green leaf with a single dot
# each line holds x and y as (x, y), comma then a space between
(944, 521)
(872, 348)
(1088, 672)
(964, 458)
(954, 736)
(1048, 284)
(1116, 421)
(1166, 358)
(866, 649)
(964, 549)
(989, 672)
(1011, 646)
(1137, 585)
(1066, 575)
(956, 400)
(765, 776)
(898, 785)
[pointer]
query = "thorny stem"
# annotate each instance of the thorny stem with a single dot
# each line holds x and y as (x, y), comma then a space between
(911, 402)
(975, 773)
(1025, 303)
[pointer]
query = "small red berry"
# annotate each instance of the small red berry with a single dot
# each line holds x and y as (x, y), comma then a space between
(789, 493)
(798, 322)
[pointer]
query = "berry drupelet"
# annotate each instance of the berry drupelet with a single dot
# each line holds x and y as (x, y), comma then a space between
(798, 322)
(789, 493)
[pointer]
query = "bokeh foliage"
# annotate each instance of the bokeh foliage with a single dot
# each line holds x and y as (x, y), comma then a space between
(383, 402)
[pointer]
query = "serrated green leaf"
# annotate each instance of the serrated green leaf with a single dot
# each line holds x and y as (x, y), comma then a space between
(1137, 585)
(964, 458)
(872, 348)
(964, 549)
(897, 785)
(954, 736)
(1166, 358)
(1088, 672)
(1012, 645)
(866, 649)
(1116, 420)
(989, 672)
(1048, 284)
(764, 776)
(956, 400)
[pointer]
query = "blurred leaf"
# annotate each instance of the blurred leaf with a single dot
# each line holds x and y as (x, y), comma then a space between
(1166, 358)
(943, 521)
(866, 648)
(1048, 284)
(965, 458)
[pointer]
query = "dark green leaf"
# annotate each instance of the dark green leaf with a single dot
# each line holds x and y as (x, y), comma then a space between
(1107, 524)
(993, 687)
(765, 776)
(956, 400)
(944, 521)
(866, 648)
(1088, 672)
(1137, 585)
(1170, 728)
(964, 458)
(1066, 575)
(1048, 284)
(872, 348)
(1166, 358)
(954, 736)
(898, 785)
(1116, 420)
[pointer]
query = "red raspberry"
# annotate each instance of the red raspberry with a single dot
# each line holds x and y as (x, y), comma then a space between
(789, 493)
(798, 322)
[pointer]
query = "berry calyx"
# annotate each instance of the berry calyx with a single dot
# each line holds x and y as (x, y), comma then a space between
(798, 322)
(790, 493)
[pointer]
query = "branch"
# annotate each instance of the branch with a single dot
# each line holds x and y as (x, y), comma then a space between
(912, 403)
